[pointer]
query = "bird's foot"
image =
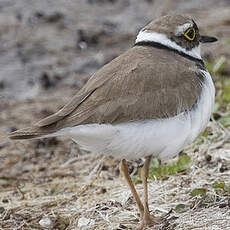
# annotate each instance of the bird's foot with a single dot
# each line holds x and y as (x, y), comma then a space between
(152, 222)
(149, 221)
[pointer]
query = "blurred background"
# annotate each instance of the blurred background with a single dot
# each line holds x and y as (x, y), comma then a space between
(48, 50)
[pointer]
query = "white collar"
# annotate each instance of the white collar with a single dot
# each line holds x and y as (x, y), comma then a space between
(148, 36)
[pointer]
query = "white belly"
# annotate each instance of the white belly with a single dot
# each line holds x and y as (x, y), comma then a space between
(161, 138)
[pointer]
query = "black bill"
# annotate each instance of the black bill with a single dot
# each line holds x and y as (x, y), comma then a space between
(206, 39)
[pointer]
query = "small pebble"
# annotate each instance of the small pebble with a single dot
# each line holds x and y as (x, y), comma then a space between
(103, 190)
(208, 158)
(5, 200)
(121, 226)
(46, 223)
(83, 222)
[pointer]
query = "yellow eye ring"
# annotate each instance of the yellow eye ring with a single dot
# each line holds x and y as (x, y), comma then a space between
(190, 34)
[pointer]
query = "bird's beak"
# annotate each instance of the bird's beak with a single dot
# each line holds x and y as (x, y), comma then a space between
(206, 39)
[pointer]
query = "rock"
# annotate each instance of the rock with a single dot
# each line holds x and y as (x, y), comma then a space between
(54, 17)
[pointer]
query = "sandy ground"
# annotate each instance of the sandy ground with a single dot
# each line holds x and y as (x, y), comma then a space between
(48, 51)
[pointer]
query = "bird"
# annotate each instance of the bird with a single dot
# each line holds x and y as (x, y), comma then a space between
(151, 101)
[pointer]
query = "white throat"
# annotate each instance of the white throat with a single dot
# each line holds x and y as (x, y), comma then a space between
(147, 36)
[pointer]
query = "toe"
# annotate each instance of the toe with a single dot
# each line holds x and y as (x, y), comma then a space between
(151, 221)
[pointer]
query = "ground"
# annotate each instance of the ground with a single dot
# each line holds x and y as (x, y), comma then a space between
(48, 51)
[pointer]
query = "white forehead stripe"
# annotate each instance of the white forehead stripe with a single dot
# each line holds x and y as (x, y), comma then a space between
(147, 36)
(181, 29)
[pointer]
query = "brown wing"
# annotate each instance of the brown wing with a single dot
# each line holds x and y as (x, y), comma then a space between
(144, 87)
(140, 84)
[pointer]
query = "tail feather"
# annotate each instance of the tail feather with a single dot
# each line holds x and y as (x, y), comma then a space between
(29, 133)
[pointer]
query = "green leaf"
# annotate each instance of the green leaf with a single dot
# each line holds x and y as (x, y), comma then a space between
(219, 185)
(225, 121)
(198, 192)
(221, 188)
(164, 170)
(180, 208)
(184, 163)
(226, 96)
(204, 133)
(137, 181)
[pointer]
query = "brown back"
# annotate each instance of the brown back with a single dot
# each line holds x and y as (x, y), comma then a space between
(143, 83)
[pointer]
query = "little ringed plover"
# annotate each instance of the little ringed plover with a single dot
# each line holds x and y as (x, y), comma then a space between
(150, 101)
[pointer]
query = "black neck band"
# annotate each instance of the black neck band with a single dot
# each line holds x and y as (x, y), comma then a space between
(160, 46)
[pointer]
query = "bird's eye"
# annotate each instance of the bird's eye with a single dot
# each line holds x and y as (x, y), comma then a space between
(190, 34)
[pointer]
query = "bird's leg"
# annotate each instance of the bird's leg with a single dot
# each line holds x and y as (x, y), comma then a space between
(146, 219)
(124, 170)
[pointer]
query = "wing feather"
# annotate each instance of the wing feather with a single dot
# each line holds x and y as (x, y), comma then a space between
(137, 85)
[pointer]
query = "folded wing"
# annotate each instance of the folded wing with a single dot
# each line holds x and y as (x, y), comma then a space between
(137, 85)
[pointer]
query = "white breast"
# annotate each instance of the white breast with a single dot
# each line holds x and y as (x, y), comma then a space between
(161, 138)
(201, 114)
